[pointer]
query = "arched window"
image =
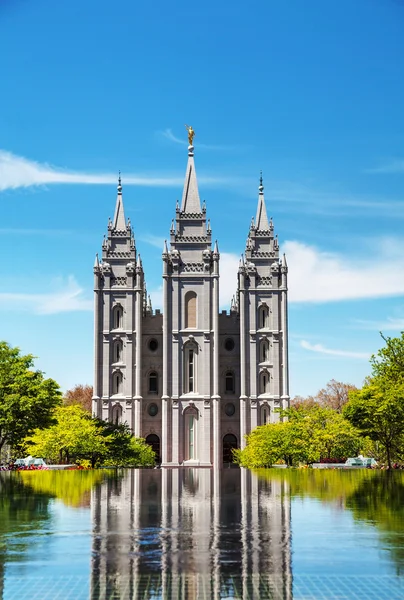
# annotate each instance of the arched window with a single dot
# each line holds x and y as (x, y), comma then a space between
(190, 382)
(265, 414)
(190, 310)
(117, 317)
(264, 351)
(116, 414)
(264, 382)
(117, 351)
(263, 317)
(229, 383)
(153, 383)
(117, 383)
(191, 419)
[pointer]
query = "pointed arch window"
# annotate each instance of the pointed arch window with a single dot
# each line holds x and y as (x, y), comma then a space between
(264, 382)
(264, 351)
(117, 383)
(265, 414)
(153, 383)
(190, 310)
(229, 382)
(263, 317)
(117, 317)
(190, 421)
(190, 379)
(117, 351)
(116, 414)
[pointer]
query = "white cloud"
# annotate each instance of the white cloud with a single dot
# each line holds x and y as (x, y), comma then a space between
(343, 353)
(318, 276)
(153, 240)
(394, 166)
(19, 172)
(390, 324)
(228, 278)
(69, 297)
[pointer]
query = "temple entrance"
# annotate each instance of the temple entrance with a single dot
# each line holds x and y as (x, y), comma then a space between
(154, 441)
(229, 442)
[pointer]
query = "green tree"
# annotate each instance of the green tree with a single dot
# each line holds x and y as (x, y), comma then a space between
(77, 436)
(122, 448)
(378, 411)
(309, 434)
(27, 399)
(388, 363)
(75, 433)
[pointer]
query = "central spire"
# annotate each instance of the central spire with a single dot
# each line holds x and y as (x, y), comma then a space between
(190, 197)
(261, 220)
(119, 217)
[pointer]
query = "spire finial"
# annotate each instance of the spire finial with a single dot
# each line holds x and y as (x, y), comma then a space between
(119, 188)
(261, 186)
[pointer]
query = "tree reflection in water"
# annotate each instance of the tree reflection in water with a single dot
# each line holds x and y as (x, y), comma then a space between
(374, 496)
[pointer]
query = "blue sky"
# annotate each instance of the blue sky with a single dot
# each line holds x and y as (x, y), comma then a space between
(310, 92)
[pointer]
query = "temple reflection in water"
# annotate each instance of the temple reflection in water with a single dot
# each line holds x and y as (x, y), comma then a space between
(191, 533)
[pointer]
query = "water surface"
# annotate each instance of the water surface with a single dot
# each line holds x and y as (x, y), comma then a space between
(194, 534)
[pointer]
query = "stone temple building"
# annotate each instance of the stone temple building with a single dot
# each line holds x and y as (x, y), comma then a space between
(189, 379)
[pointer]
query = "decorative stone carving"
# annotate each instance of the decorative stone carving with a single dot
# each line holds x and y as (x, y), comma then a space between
(193, 267)
(118, 281)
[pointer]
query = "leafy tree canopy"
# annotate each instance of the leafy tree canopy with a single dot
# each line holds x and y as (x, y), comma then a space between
(388, 363)
(310, 434)
(378, 411)
(27, 399)
(81, 395)
(76, 435)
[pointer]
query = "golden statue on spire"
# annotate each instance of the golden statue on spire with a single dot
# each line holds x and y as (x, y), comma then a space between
(191, 134)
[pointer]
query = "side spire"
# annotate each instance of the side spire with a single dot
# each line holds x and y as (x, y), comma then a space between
(261, 220)
(190, 197)
(119, 218)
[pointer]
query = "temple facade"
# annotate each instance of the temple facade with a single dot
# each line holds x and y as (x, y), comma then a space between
(191, 380)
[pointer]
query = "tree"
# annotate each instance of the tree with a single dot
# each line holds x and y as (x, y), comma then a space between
(76, 435)
(378, 411)
(81, 395)
(388, 363)
(310, 434)
(335, 394)
(27, 399)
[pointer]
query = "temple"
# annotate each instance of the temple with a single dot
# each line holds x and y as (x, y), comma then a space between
(189, 379)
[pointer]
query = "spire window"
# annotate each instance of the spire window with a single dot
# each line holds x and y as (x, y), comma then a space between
(190, 383)
(190, 310)
(153, 383)
(229, 382)
(117, 352)
(117, 383)
(264, 382)
(116, 414)
(117, 317)
(263, 317)
(264, 351)
(265, 414)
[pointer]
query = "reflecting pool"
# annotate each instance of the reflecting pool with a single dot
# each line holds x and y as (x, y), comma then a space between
(194, 534)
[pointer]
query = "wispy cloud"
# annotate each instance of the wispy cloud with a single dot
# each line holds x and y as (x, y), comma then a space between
(153, 240)
(394, 166)
(323, 350)
(389, 324)
(19, 172)
(169, 135)
(318, 276)
(68, 297)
